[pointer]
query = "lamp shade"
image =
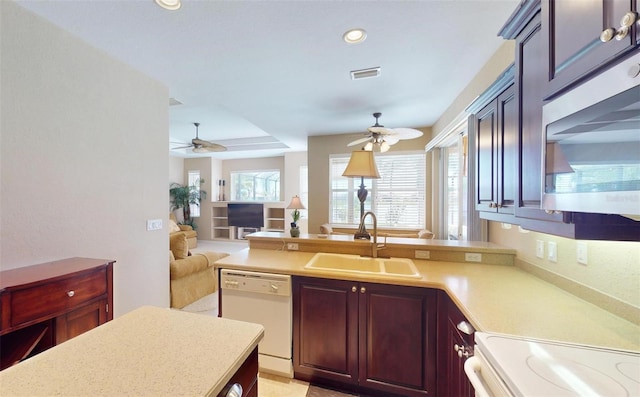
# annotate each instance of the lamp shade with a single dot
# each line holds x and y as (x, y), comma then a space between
(362, 164)
(295, 204)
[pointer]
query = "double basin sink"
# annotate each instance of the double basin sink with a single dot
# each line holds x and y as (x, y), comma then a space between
(397, 267)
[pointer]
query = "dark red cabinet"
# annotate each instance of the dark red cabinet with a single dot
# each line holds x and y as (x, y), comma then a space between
(46, 304)
(496, 128)
(571, 37)
(365, 336)
(454, 348)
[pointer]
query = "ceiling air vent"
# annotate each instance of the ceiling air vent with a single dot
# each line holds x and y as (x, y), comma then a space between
(365, 73)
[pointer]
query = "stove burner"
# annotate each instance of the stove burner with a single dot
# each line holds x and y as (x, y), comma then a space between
(575, 377)
(630, 370)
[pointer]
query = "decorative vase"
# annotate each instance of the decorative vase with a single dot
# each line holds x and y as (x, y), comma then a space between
(295, 232)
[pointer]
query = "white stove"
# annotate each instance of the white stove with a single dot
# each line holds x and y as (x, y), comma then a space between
(505, 365)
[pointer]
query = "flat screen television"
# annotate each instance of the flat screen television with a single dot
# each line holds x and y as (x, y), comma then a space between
(245, 214)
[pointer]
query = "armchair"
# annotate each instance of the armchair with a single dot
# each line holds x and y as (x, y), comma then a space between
(192, 235)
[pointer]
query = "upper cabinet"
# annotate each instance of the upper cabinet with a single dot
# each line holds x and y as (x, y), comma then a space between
(536, 52)
(495, 127)
(583, 36)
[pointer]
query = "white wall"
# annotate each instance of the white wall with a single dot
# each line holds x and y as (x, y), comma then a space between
(83, 158)
(292, 163)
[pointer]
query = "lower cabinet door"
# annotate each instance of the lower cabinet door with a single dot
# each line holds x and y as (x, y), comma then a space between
(81, 320)
(374, 337)
(325, 330)
(397, 339)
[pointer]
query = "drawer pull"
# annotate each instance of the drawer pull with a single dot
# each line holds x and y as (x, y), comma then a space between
(71, 293)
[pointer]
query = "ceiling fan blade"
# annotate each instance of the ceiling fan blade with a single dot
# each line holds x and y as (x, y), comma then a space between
(406, 133)
(359, 141)
(391, 139)
(380, 130)
(181, 147)
(213, 147)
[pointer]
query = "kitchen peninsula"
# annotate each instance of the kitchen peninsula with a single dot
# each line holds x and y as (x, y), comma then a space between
(149, 351)
(498, 297)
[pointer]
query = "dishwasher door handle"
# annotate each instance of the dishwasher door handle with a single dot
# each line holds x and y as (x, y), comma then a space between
(473, 369)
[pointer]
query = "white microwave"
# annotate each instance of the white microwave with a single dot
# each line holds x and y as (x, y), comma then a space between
(592, 145)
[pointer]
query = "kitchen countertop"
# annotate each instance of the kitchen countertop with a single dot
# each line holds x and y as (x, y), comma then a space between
(494, 298)
(149, 351)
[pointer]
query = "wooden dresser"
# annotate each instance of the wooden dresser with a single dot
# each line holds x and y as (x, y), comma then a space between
(44, 305)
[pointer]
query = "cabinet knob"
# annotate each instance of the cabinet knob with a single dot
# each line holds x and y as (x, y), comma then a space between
(622, 33)
(628, 19)
(71, 293)
(607, 35)
(363, 290)
(354, 289)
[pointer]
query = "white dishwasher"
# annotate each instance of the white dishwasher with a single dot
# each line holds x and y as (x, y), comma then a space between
(265, 299)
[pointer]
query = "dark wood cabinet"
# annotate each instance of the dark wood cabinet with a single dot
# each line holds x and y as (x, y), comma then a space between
(246, 376)
(571, 36)
(365, 336)
(46, 304)
(456, 344)
(496, 128)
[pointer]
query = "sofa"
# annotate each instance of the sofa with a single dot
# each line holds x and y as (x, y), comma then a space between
(192, 275)
(192, 235)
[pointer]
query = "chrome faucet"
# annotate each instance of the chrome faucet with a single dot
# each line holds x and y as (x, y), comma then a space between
(362, 233)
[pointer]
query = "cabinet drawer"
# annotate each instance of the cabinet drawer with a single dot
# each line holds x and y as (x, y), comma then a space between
(56, 296)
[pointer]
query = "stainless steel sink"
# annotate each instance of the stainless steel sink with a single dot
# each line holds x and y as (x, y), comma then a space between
(363, 265)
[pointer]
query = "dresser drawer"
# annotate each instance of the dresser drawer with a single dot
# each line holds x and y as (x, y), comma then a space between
(56, 296)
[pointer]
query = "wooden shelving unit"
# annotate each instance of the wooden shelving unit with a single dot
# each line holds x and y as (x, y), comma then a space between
(220, 229)
(274, 220)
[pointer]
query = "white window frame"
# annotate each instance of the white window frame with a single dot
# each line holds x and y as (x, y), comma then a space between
(193, 179)
(382, 200)
(255, 194)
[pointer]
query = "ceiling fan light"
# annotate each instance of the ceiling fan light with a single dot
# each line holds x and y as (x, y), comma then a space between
(200, 149)
(171, 5)
(368, 147)
(384, 146)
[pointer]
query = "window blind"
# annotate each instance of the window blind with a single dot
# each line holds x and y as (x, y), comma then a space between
(397, 198)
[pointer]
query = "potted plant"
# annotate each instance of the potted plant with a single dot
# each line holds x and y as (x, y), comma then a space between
(183, 196)
(295, 230)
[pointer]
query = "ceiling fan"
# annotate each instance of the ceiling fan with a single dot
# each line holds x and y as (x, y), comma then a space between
(202, 146)
(380, 138)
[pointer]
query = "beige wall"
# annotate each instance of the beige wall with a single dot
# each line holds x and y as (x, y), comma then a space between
(613, 266)
(320, 148)
(83, 158)
(498, 63)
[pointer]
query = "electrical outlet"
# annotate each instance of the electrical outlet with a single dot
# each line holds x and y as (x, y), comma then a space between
(154, 224)
(540, 249)
(421, 254)
(552, 251)
(472, 257)
(292, 246)
(581, 252)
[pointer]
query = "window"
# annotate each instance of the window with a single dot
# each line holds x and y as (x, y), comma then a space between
(194, 184)
(455, 193)
(397, 198)
(261, 185)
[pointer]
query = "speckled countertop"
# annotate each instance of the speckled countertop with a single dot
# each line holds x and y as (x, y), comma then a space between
(147, 352)
(495, 298)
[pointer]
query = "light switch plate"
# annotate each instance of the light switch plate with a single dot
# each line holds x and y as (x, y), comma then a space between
(292, 246)
(154, 224)
(472, 257)
(552, 251)
(540, 249)
(581, 252)
(422, 254)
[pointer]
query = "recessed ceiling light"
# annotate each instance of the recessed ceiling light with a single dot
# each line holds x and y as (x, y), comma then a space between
(354, 36)
(169, 4)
